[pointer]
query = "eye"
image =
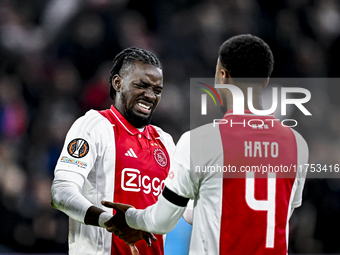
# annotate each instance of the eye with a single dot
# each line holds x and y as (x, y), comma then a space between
(139, 85)
(158, 91)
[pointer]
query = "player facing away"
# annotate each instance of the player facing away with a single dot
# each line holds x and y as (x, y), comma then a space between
(115, 155)
(234, 213)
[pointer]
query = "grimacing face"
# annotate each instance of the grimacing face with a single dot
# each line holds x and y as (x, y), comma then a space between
(138, 93)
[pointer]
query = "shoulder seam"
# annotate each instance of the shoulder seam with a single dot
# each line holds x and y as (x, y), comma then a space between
(90, 121)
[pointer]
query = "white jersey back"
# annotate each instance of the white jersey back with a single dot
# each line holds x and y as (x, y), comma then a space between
(235, 213)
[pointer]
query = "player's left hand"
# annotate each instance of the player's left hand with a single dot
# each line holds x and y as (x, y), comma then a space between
(117, 224)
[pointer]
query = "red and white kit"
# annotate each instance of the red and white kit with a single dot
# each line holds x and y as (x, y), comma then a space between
(106, 158)
(242, 213)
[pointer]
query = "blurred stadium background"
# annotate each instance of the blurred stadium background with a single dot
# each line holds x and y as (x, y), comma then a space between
(55, 62)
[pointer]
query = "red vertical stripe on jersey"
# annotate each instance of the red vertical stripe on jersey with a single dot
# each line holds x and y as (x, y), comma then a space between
(142, 164)
(243, 229)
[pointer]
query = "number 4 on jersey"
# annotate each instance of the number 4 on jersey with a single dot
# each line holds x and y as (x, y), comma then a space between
(263, 205)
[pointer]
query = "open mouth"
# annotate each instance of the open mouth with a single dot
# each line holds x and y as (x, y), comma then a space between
(144, 107)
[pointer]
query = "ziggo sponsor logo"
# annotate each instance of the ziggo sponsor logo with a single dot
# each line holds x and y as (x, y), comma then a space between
(132, 180)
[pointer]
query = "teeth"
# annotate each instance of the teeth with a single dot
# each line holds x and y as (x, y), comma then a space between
(144, 106)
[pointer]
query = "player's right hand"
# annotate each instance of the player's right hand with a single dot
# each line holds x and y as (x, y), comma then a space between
(119, 227)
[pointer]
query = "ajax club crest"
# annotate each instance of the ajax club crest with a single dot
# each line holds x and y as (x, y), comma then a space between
(160, 157)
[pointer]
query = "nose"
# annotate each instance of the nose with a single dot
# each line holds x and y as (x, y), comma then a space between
(150, 94)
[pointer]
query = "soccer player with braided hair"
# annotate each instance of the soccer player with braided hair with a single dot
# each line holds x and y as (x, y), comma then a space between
(115, 155)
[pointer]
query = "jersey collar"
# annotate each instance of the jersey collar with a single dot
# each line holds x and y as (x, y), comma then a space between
(127, 126)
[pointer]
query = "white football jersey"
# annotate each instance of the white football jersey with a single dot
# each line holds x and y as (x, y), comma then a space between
(240, 208)
(116, 162)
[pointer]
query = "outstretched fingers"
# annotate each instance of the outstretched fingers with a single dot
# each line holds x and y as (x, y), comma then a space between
(148, 237)
(117, 206)
(119, 227)
(133, 249)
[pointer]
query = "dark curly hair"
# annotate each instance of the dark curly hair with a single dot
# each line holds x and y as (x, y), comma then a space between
(127, 57)
(246, 56)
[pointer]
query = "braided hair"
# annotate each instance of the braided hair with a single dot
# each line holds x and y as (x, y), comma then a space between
(127, 57)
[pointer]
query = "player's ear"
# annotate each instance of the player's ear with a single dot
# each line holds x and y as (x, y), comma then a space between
(225, 76)
(116, 82)
(265, 83)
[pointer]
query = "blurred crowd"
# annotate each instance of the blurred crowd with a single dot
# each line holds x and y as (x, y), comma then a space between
(55, 62)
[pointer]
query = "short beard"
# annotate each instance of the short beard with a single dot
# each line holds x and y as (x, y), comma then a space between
(135, 120)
